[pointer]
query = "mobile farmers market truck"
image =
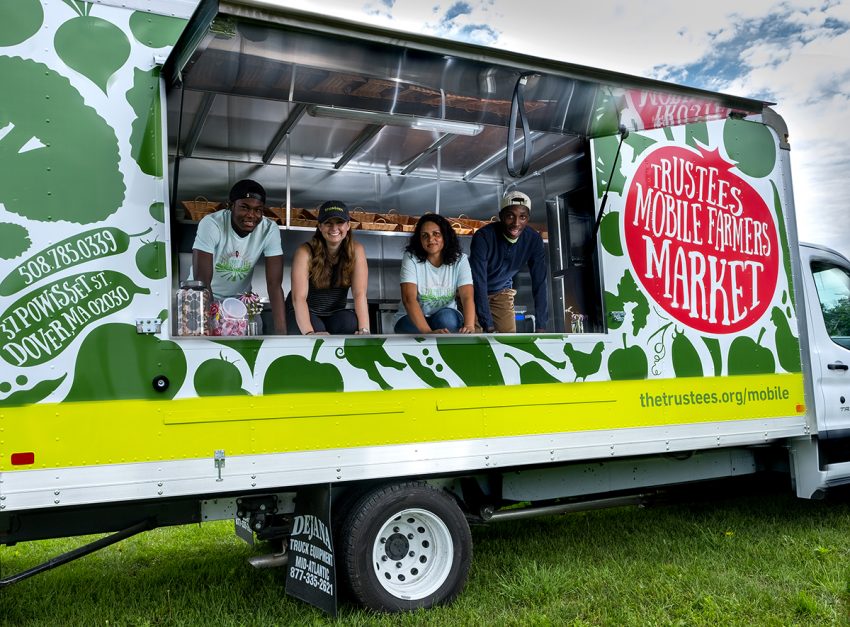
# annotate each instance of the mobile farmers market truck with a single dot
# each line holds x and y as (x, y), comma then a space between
(689, 335)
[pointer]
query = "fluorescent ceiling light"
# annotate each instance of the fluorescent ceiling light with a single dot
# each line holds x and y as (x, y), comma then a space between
(392, 119)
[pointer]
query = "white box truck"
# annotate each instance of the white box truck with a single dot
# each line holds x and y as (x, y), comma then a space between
(684, 334)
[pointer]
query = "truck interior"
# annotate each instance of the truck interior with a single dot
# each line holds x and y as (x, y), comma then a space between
(397, 126)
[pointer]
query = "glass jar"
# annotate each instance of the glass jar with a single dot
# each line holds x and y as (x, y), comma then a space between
(193, 304)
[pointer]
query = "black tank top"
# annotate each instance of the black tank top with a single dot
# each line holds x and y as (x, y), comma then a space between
(325, 301)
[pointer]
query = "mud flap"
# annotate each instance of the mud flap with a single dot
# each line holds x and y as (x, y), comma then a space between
(311, 573)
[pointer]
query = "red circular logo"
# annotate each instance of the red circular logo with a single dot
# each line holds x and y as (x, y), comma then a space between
(702, 241)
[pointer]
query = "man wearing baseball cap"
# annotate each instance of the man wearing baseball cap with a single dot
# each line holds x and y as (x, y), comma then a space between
(498, 252)
(229, 243)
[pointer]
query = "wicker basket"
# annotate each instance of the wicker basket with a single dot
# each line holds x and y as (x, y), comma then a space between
(363, 216)
(312, 224)
(198, 208)
(460, 229)
(380, 224)
(278, 214)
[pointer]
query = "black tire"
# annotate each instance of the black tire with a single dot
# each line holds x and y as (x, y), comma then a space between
(405, 546)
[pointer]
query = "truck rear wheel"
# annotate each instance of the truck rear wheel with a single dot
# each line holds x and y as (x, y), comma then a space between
(405, 546)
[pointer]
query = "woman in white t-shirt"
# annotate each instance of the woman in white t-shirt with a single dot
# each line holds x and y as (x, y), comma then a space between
(434, 272)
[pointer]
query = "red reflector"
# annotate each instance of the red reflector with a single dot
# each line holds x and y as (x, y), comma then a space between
(801, 409)
(23, 459)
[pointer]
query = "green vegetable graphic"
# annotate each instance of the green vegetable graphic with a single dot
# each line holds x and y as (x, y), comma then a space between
(606, 149)
(70, 252)
(218, 377)
(294, 373)
(783, 238)
(19, 20)
(43, 323)
(529, 345)
(150, 259)
(60, 159)
(532, 372)
(750, 146)
(585, 364)
(424, 373)
(155, 31)
(367, 354)
(92, 46)
(609, 232)
(627, 292)
(713, 346)
(638, 144)
(37, 393)
(627, 363)
(787, 344)
(606, 117)
(144, 141)
(472, 359)
(14, 241)
(749, 357)
(686, 359)
(247, 349)
(157, 211)
(696, 133)
(116, 362)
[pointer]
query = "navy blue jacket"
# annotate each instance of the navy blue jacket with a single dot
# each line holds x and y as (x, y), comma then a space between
(495, 261)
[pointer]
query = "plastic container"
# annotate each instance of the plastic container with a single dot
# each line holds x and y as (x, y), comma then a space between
(234, 317)
(193, 303)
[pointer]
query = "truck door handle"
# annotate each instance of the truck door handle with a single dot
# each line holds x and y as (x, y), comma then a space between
(837, 366)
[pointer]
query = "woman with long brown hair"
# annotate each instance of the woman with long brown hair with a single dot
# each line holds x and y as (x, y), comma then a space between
(323, 270)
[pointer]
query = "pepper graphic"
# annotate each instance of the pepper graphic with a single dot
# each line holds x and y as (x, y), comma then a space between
(471, 359)
(529, 346)
(367, 354)
(532, 372)
(294, 373)
(37, 393)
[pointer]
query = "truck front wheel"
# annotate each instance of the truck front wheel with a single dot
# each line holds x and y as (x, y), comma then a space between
(405, 546)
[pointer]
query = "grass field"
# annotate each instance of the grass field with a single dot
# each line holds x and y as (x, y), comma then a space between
(750, 559)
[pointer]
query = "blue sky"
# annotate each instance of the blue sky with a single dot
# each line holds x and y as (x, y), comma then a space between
(795, 53)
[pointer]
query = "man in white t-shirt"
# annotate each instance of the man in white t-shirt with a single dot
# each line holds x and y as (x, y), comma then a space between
(230, 242)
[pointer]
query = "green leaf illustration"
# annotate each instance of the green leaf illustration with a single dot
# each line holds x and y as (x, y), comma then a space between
(93, 47)
(247, 349)
(19, 20)
(428, 376)
(150, 259)
(157, 211)
(143, 96)
(638, 144)
(606, 149)
(67, 253)
(156, 31)
(529, 345)
(627, 292)
(60, 159)
(609, 233)
(787, 344)
(750, 146)
(472, 359)
(713, 346)
(116, 362)
(696, 133)
(783, 238)
(585, 364)
(14, 240)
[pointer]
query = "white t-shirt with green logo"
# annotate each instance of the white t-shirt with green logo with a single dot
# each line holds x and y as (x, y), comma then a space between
(234, 257)
(435, 287)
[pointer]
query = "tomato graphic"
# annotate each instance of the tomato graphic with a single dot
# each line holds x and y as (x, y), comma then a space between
(702, 241)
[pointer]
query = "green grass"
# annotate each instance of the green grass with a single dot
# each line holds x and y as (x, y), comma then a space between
(765, 559)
